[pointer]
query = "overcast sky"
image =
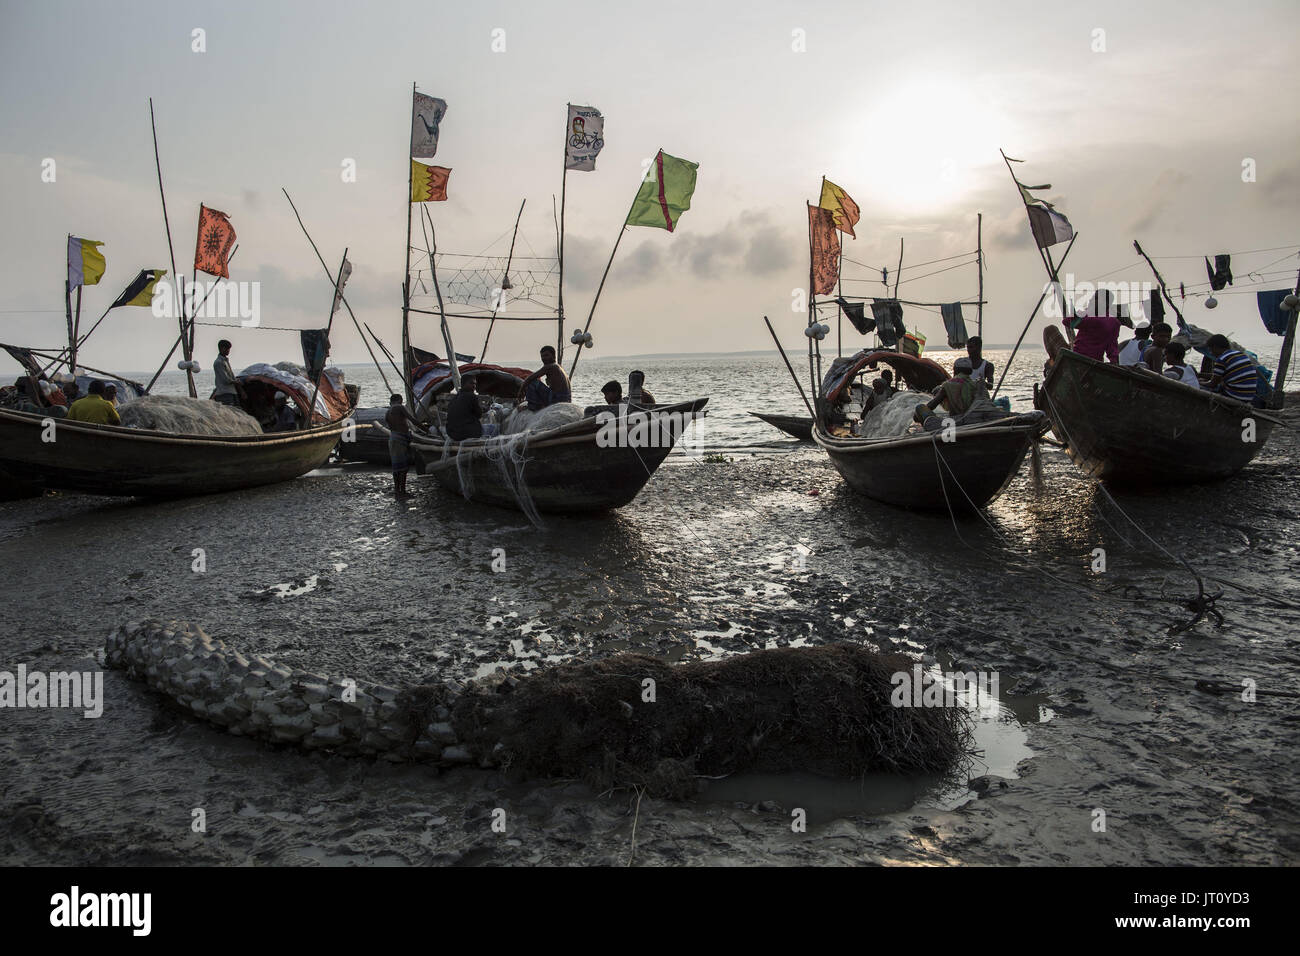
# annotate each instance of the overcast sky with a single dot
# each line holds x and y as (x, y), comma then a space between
(904, 105)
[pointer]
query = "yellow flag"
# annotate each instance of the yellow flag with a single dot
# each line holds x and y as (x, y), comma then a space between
(428, 183)
(85, 262)
(844, 210)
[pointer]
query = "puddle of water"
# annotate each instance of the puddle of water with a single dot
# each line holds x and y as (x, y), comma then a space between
(1000, 739)
(292, 589)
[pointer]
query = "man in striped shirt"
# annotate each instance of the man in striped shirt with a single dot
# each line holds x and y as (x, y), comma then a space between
(1234, 372)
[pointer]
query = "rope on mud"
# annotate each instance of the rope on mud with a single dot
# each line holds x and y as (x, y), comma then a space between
(1203, 605)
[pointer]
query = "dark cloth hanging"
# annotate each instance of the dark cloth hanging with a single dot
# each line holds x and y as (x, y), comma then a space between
(955, 324)
(315, 349)
(1271, 311)
(1156, 310)
(855, 312)
(889, 321)
(1221, 273)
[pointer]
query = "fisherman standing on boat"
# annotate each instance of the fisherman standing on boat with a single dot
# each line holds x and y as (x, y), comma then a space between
(228, 390)
(981, 368)
(555, 390)
(1135, 347)
(399, 421)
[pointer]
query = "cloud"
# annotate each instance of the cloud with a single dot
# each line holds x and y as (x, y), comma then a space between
(749, 245)
(1157, 199)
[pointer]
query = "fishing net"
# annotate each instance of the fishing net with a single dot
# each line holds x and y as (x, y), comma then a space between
(552, 416)
(187, 416)
(474, 283)
(823, 710)
(893, 417)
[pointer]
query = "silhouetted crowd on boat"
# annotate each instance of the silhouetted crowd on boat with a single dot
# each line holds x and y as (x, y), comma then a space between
(1226, 368)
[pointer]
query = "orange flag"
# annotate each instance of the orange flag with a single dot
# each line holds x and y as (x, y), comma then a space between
(824, 249)
(216, 240)
(428, 183)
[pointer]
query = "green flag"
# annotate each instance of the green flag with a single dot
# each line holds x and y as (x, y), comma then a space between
(665, 193)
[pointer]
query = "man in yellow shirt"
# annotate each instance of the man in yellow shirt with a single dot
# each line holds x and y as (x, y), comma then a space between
(93, 408)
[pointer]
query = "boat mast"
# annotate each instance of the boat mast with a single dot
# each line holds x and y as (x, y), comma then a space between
(406, 276)
(898, 277)
(505, 284)
(187, 348)
(431, 244)
(1043, 253)
(564, 183)
(1161, 283)
(329, 325)
(604, 275)
(979, 262)
(1287, 343)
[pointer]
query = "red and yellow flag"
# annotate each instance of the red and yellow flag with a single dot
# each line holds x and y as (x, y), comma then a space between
(215, 242)
(428, 183)
(842, 207)
(823, 250)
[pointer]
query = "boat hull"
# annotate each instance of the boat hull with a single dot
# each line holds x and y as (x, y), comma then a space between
(564, 470)
(1131, 427)
(925, 473)
(118, 461)
(793, 425)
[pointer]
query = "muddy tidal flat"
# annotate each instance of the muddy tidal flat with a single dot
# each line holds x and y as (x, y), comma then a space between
(721, 554)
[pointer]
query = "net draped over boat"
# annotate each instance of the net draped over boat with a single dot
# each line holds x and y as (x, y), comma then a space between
(187, 416)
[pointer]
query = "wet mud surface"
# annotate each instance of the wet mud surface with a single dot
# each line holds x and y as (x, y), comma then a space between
(715, 557)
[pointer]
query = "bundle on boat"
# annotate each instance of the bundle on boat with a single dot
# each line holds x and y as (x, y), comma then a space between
(826, 709)
(187, 416)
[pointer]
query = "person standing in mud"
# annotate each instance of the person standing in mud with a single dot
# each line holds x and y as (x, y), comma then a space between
(399, 421)
(555, 390)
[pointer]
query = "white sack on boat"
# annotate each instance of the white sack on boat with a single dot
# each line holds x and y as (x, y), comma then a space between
(187, 416)
(552, 416)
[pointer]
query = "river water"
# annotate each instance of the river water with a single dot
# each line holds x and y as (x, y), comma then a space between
(748, 541)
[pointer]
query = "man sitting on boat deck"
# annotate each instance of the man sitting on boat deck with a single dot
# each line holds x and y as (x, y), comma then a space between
(981, 368)
(463, 415)
(637, 393)
(957, 395)
(613, 394)
(1176, 366)
(285, 420)
(1154, 357)
(1135, 347)
(227, 390)
(399, 420)
(556, 388)
(93, 408)
(1234, 372)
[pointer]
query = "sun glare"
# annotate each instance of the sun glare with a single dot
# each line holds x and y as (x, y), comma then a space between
(917, 145)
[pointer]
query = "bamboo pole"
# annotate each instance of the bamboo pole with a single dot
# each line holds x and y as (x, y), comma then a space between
(979, 259)
(389, 355)
(180, 337)
(564, 185)
(603, 276)
(802, 393)
(812, 314)
(1161, 283)
(1279, 396)
(347, 305)
(431, 244)
(187, 351)
(329, 325)
(406, 276)
(1043, 254)
(1023, 331)
(496, 306)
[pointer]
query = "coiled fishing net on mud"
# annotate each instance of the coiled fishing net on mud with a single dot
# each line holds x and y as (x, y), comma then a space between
(825, 710)
(187, 416)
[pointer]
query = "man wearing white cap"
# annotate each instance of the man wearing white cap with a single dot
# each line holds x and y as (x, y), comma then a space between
(1131, 353)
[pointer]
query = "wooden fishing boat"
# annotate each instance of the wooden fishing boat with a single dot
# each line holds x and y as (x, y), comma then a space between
(1127, 425)
(924, 472)
(559, 470)
(114, 460)
(795, 426)
(370, 442)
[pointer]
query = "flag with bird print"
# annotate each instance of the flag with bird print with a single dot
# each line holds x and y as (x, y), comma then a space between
(426, 115)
